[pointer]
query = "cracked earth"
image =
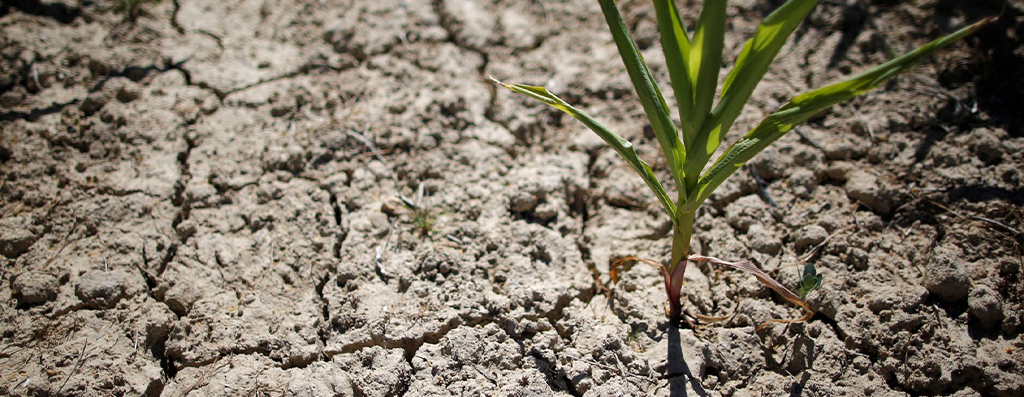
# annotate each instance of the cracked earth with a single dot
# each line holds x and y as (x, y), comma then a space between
(330, 198)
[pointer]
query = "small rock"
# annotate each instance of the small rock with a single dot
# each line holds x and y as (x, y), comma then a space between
(186, 229)
(860, 128)
(116, 115)
(825, 300)
(808, 157)
(129, 92)
(31, 288)
(746, 211)
(180, 298)
(809, 236)
(15, 237)
(803, 181)
(392, 208)
(762, 240)
(944, 276)
(769, 166)
(858, 258)
(378, 220)
(545, 211)
(861, 364)
(281, 109)
(833, 220)
(870, 191)
(588, 142)
(96, 100)
(987, 146)
(945, 155)
(335, 182)
(522, 201)
(12, 98)
(842, 149)
(839, 170)
(100, 289)
(157, 319)
(494, 134)
(985, 305)
(98, 67)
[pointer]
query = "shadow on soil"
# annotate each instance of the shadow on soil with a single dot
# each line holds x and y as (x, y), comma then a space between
(678, 371)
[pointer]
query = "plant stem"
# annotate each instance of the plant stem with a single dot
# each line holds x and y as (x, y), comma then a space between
(677, 266)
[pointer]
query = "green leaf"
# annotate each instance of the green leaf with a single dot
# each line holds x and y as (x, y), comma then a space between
(647, 90)
(809, 282)
(803, 106)
(693, 65)
(622, 146)
(751, 66)
(676, 45)
(705, 60)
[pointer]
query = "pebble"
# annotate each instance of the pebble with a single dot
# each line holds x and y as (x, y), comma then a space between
(129, 92)
(984, 304)
(100, 289)
(842, 149)
(746, 211)
(522, 201)
(944, 277)
(870, 191)
(762, 240)
(839, 170)
(802, 182)
(769, 166)
(825, 300)
(31, 288)
(98, 99)
(15, 237)
(810, 236)
(987, 146)
(858, 258)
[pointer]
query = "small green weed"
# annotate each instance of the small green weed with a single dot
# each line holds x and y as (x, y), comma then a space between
(809, 282)
(423, 219)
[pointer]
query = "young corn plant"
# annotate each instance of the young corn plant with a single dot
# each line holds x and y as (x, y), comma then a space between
(694, 60)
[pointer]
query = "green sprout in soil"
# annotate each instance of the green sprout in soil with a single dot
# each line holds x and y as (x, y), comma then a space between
(633, 338)
(423, 219)
(694, 60)
(809, 282)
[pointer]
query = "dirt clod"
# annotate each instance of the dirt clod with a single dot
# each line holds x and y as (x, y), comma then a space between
(870, 191)
(100, 289)
(986, 306)
(945, 276)
(809, 236)
(32, 288)
(16, 236)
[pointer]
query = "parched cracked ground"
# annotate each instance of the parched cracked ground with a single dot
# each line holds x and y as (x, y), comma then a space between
(207, 199)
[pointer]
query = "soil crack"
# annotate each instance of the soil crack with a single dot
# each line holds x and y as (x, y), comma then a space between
(445, 20)
(175, 10)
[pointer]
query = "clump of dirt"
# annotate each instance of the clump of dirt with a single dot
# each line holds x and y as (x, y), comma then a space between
(204, 199)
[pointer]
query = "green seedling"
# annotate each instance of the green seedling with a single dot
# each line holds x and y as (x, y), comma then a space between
(694, 60)
(809, 282)
(422, 218)
(633, 338)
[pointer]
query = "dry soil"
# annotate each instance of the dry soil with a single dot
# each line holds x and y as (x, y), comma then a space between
(202, 199)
